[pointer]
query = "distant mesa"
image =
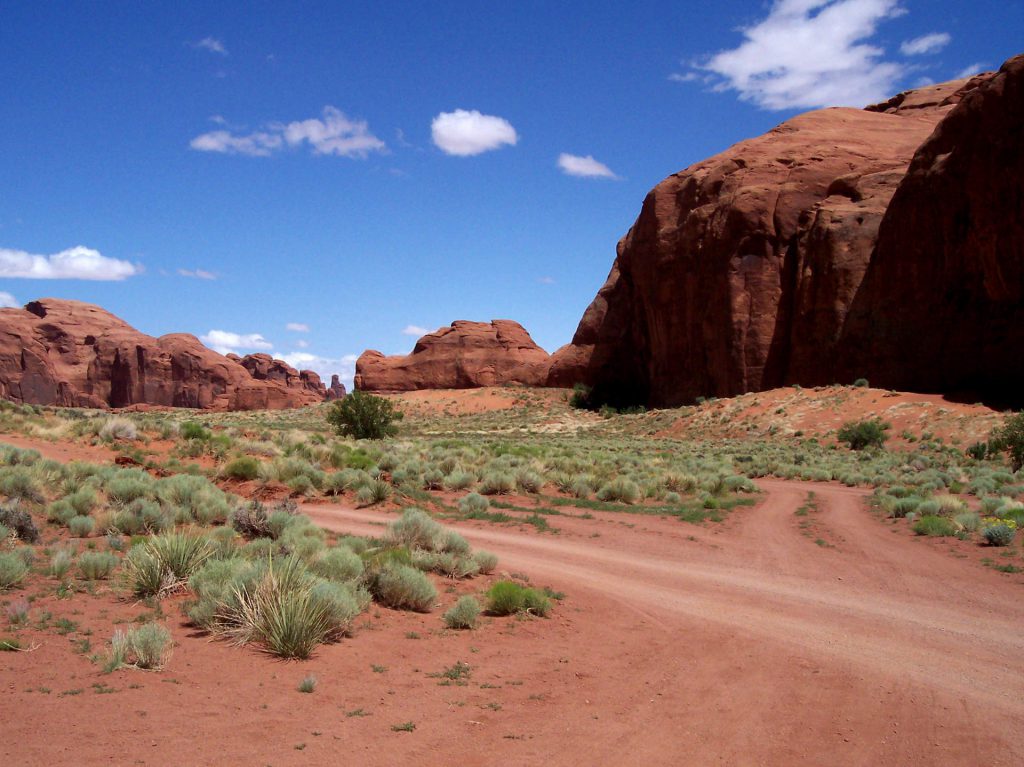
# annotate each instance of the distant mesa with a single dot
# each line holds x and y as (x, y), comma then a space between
(74, 354)
(461, 356)
(885, 243)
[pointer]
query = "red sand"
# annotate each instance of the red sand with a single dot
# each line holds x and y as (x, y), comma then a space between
(737, 643)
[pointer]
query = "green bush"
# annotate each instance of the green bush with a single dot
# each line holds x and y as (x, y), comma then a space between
(934, 526)
(415, 529)
(96, 565)
(473, 503)
(403, 587)
(508, 598)
(1009, 438)
(497, 483)
(244, 468)
(620, 489)
(999, 534)
(12, 569)
(364, 416)
(339, 564)
(148, 646)
(81, 527)
(20, 521)
(165, 562)
(463, 614)
(864, 434)
(60, 562)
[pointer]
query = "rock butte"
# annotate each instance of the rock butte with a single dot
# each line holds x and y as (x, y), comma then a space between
(73, 354)
(463, 355)
(885, 243)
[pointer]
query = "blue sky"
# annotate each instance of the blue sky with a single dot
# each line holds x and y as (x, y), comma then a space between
(315, 179)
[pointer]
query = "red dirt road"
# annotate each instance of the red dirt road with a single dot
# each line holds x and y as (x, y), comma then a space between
(740, 643)
(747, 643)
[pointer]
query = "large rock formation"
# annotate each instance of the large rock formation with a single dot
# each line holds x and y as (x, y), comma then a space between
(462, 356)
(740, 272)
(941, 307)
(336, 390)
(57, 352)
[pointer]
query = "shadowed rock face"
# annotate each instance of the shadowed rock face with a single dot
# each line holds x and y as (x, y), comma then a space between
(336, 390)
(740, 272)
(462, 356)
(69, 353)
(942, 304)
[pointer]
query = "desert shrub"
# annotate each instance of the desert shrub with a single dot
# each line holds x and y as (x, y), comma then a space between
(740, 484)
(12, 569)
(301, 485)
(473, 503)
(508, 598)
(165, 562)
(118, 428)
(451, 542)
(61, 512)
(864, 434)
(1009, 438)
(61, 562)
(433, 479)
(147, 647)
(977, 450)
(97, 565)
(18, 484)
(83, 500)
(582, 487)
(998, 534)
(900, 507)
(949, 504)
(339, 564)
(415, 529)
(244, 468)
(929, 507)
(81, 527)
(214, 585)
(339, 603)
(620, 489)
(191, 430)
(679, 483)
(861, 383)
(485, 561)
(463, 614)
(377, 491)
(529, 481)
(19, 521)
(581, 397)
(364, 416)
(934, 526)
(968, 521)
(459, 480)
(251, 520)
(403, 587)
(497, 483)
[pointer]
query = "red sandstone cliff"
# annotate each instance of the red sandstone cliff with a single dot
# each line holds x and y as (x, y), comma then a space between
(57, 352)
(464, 355)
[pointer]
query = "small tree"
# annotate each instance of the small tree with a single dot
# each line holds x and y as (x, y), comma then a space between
(1009, 438)
(861, 434)
(364, 416)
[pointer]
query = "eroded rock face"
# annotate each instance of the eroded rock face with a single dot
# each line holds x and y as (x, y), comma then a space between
(69, 353)
(336, 390)
(942, 304)
(462, 356)
(741, 270)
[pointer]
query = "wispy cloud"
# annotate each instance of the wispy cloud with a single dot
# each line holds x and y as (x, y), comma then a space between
(224, 341)
(921, 46)
(198, 274)
(78, 263)
(333, 134)
(973, 69)
(302, 343)
(7, 301)
(810, 53)
(414, 330)
(297, 327)
(545, 280)
(211, 44)
(466, 133)
(583, 167)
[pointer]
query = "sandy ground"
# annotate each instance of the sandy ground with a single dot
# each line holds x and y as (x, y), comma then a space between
(742, 643)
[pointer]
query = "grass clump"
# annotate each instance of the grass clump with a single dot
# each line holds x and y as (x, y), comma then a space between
(509, 598)
(308, 684)
(463, 614)
(934, 526)
(61, 562)
(13, 569)
(19, 521)
(166, 562)
(96, 565)
(242, 468)
(146, 647)
(403, 587)
(860, 435)
(999, 533)
(621, 490)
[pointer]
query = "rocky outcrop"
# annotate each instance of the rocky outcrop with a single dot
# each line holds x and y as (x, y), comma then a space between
(336, 390)
(462, 356)
(69, 353)
(741, 271)
(941, 307)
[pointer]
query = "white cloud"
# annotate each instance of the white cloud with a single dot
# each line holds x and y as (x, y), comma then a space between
(414, 330)
(302, 343)
(811, 53)
(7, 301)
(258, 144)
(546, 280)
(325, 367)
(583, 167)
(78, 263)
(297, 327)
(211, 44)
(199, 274)
(224, 341)
(925, 44)
(335, 134)
(687, 77)
(973, 69)
(465, 133)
